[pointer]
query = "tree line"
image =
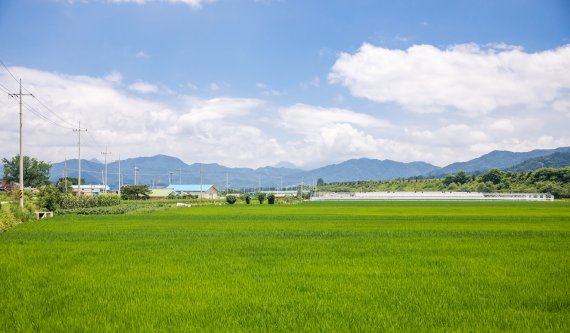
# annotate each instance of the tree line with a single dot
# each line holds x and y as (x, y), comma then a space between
(555, 181)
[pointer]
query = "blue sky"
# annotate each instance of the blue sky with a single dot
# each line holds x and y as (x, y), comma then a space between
(253, 83)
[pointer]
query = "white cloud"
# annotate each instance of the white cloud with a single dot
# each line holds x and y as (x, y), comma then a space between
(306, 118)
(191, 3)
(114, 77)
(269, 92)
(467, 77)
(142, 55)
(143, 87)
(246, 131)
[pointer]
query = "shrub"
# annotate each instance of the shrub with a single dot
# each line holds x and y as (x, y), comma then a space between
(231, 199)
(247, 199)
(49, 198)
(7, 219)
(23, 214)
(271, 199)
(261, 197)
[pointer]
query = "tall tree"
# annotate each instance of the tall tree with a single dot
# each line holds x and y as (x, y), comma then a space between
(135, 192)
(36, 173)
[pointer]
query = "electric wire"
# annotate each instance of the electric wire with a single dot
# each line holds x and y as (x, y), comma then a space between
(5, 89)
(6, 67)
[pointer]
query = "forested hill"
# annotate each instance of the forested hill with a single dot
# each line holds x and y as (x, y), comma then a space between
(497, 159)
(556, 160)
(555, 181)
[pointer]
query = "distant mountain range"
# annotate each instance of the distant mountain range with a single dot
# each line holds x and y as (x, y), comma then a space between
(556, 160)
(161, 170)
(499, 159)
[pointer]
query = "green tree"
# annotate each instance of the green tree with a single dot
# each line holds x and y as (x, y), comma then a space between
(247, 199)
(261, 197)
(271, 199)
(65, 186)
(320, 182)
(135, 192)
(494, 176)
(461, 177)
(449, 179)
(36, 173)
(49, 198)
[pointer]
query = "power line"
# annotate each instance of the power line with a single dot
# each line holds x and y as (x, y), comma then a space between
(50, 110)
(69, 125)
(6, 67)
(41, 115)
(5, 89)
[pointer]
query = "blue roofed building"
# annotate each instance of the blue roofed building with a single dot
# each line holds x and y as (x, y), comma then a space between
(205, 191)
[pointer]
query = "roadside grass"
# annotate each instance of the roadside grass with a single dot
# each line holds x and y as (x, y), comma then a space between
(334, 266)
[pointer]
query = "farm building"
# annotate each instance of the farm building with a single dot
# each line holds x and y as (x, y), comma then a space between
(205, 191)
(93, 190)
(162, 193)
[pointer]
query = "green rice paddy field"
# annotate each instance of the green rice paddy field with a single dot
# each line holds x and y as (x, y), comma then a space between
(322, 266)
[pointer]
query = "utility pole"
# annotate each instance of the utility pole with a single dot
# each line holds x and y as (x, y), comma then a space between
(119, 175)
(201, 182)
(21, 194)
(281, 186)
(227, 184)
(65, 173)
(106, 174)
(136, 169)
(170, 178)
(78, 130)
(180, 180)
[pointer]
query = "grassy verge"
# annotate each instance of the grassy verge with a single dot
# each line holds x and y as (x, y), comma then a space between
(358, 266)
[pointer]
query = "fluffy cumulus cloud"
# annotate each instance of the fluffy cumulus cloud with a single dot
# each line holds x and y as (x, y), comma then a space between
(469, 78)
(237, 131)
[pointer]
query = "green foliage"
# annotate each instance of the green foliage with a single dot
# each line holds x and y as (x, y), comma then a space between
(261, 197)
(135, 192)
(36, 173)
(356, 266)
(65, 186)
(547, 180)
(49, 198)
(231, 199)
(271, 199)
(460, 178)
(25, 214)
(7, 218)
(247, 199)
(494, 176)
(86, 201)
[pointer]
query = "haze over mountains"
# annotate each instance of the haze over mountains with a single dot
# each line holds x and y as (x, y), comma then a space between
(161, 170)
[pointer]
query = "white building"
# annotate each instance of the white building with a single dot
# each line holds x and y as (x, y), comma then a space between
(91, 189)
